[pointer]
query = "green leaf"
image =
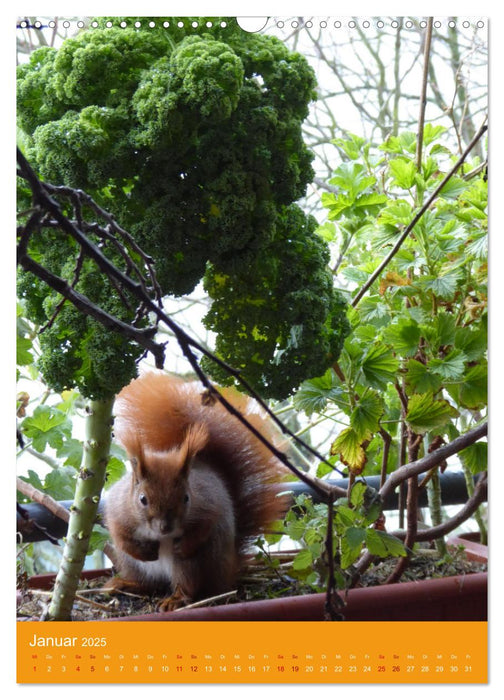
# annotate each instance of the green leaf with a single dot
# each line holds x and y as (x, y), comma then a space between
(450, 367)
(314, 394)
(357, 494)
(403, 172)
(351, 547)
(370, 202)
(420, 379)
(478, 245)
(294, 529)
(380, 366)
(375, 544)
(34, 479)
(302, 560)
(403, 142)
(327, 232)
(473, 342)
(384, 545)
(353, 146)
(47, 426)
(365, 417)
(440, 331)
(431, 133)
(115, 470)
(348, 445)
(404, 337)
(475, 457)
(397, 212)
(453, 188)
(472, 391)
(60, 483)
(72, 449)
(23, 354)
(442, 286)
(355, 536)
(426, 413)
(345, 517)
(374, 310)
(352, 178)
(99, 538)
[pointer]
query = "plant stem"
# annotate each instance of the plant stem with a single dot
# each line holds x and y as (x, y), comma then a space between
(84, 510)
(434, 498)
(477, 513)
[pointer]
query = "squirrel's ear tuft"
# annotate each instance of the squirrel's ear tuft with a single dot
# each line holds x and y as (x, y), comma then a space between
(195, 440)
(136, 456)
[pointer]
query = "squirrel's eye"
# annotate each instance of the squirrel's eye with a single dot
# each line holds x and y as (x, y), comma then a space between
(186, 498)
(143, 499)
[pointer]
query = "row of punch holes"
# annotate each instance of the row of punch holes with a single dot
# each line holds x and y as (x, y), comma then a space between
(281, 24)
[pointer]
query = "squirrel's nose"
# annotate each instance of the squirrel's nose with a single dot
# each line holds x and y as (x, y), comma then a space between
(166, 525)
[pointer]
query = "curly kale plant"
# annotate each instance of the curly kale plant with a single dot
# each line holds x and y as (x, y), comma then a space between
(192, 138)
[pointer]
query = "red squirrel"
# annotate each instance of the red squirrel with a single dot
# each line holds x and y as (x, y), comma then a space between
(198, 493)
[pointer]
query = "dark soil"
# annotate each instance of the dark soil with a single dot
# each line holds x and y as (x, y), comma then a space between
(93, 603)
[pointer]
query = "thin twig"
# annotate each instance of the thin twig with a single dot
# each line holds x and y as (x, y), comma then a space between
(208, 601)
(423, 93)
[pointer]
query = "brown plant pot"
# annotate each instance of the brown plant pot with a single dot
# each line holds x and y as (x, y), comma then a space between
(474, 550)
(455, 598)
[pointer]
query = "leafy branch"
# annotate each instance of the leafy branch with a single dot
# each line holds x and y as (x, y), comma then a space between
(420, 213)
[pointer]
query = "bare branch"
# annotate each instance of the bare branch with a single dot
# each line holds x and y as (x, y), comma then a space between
(433, 459)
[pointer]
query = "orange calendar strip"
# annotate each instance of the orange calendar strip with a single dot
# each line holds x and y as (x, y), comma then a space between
(252, 652)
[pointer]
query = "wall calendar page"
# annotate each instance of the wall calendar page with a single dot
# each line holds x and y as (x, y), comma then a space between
(252, 312)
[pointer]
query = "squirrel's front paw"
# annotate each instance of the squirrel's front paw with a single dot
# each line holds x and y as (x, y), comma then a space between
(144, 550)
(178, 599)
(117, 584)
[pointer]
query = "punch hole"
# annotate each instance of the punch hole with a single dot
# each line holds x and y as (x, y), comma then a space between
(252, 24)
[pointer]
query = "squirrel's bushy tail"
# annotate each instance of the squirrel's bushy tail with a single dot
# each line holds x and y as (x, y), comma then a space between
(158, 409)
